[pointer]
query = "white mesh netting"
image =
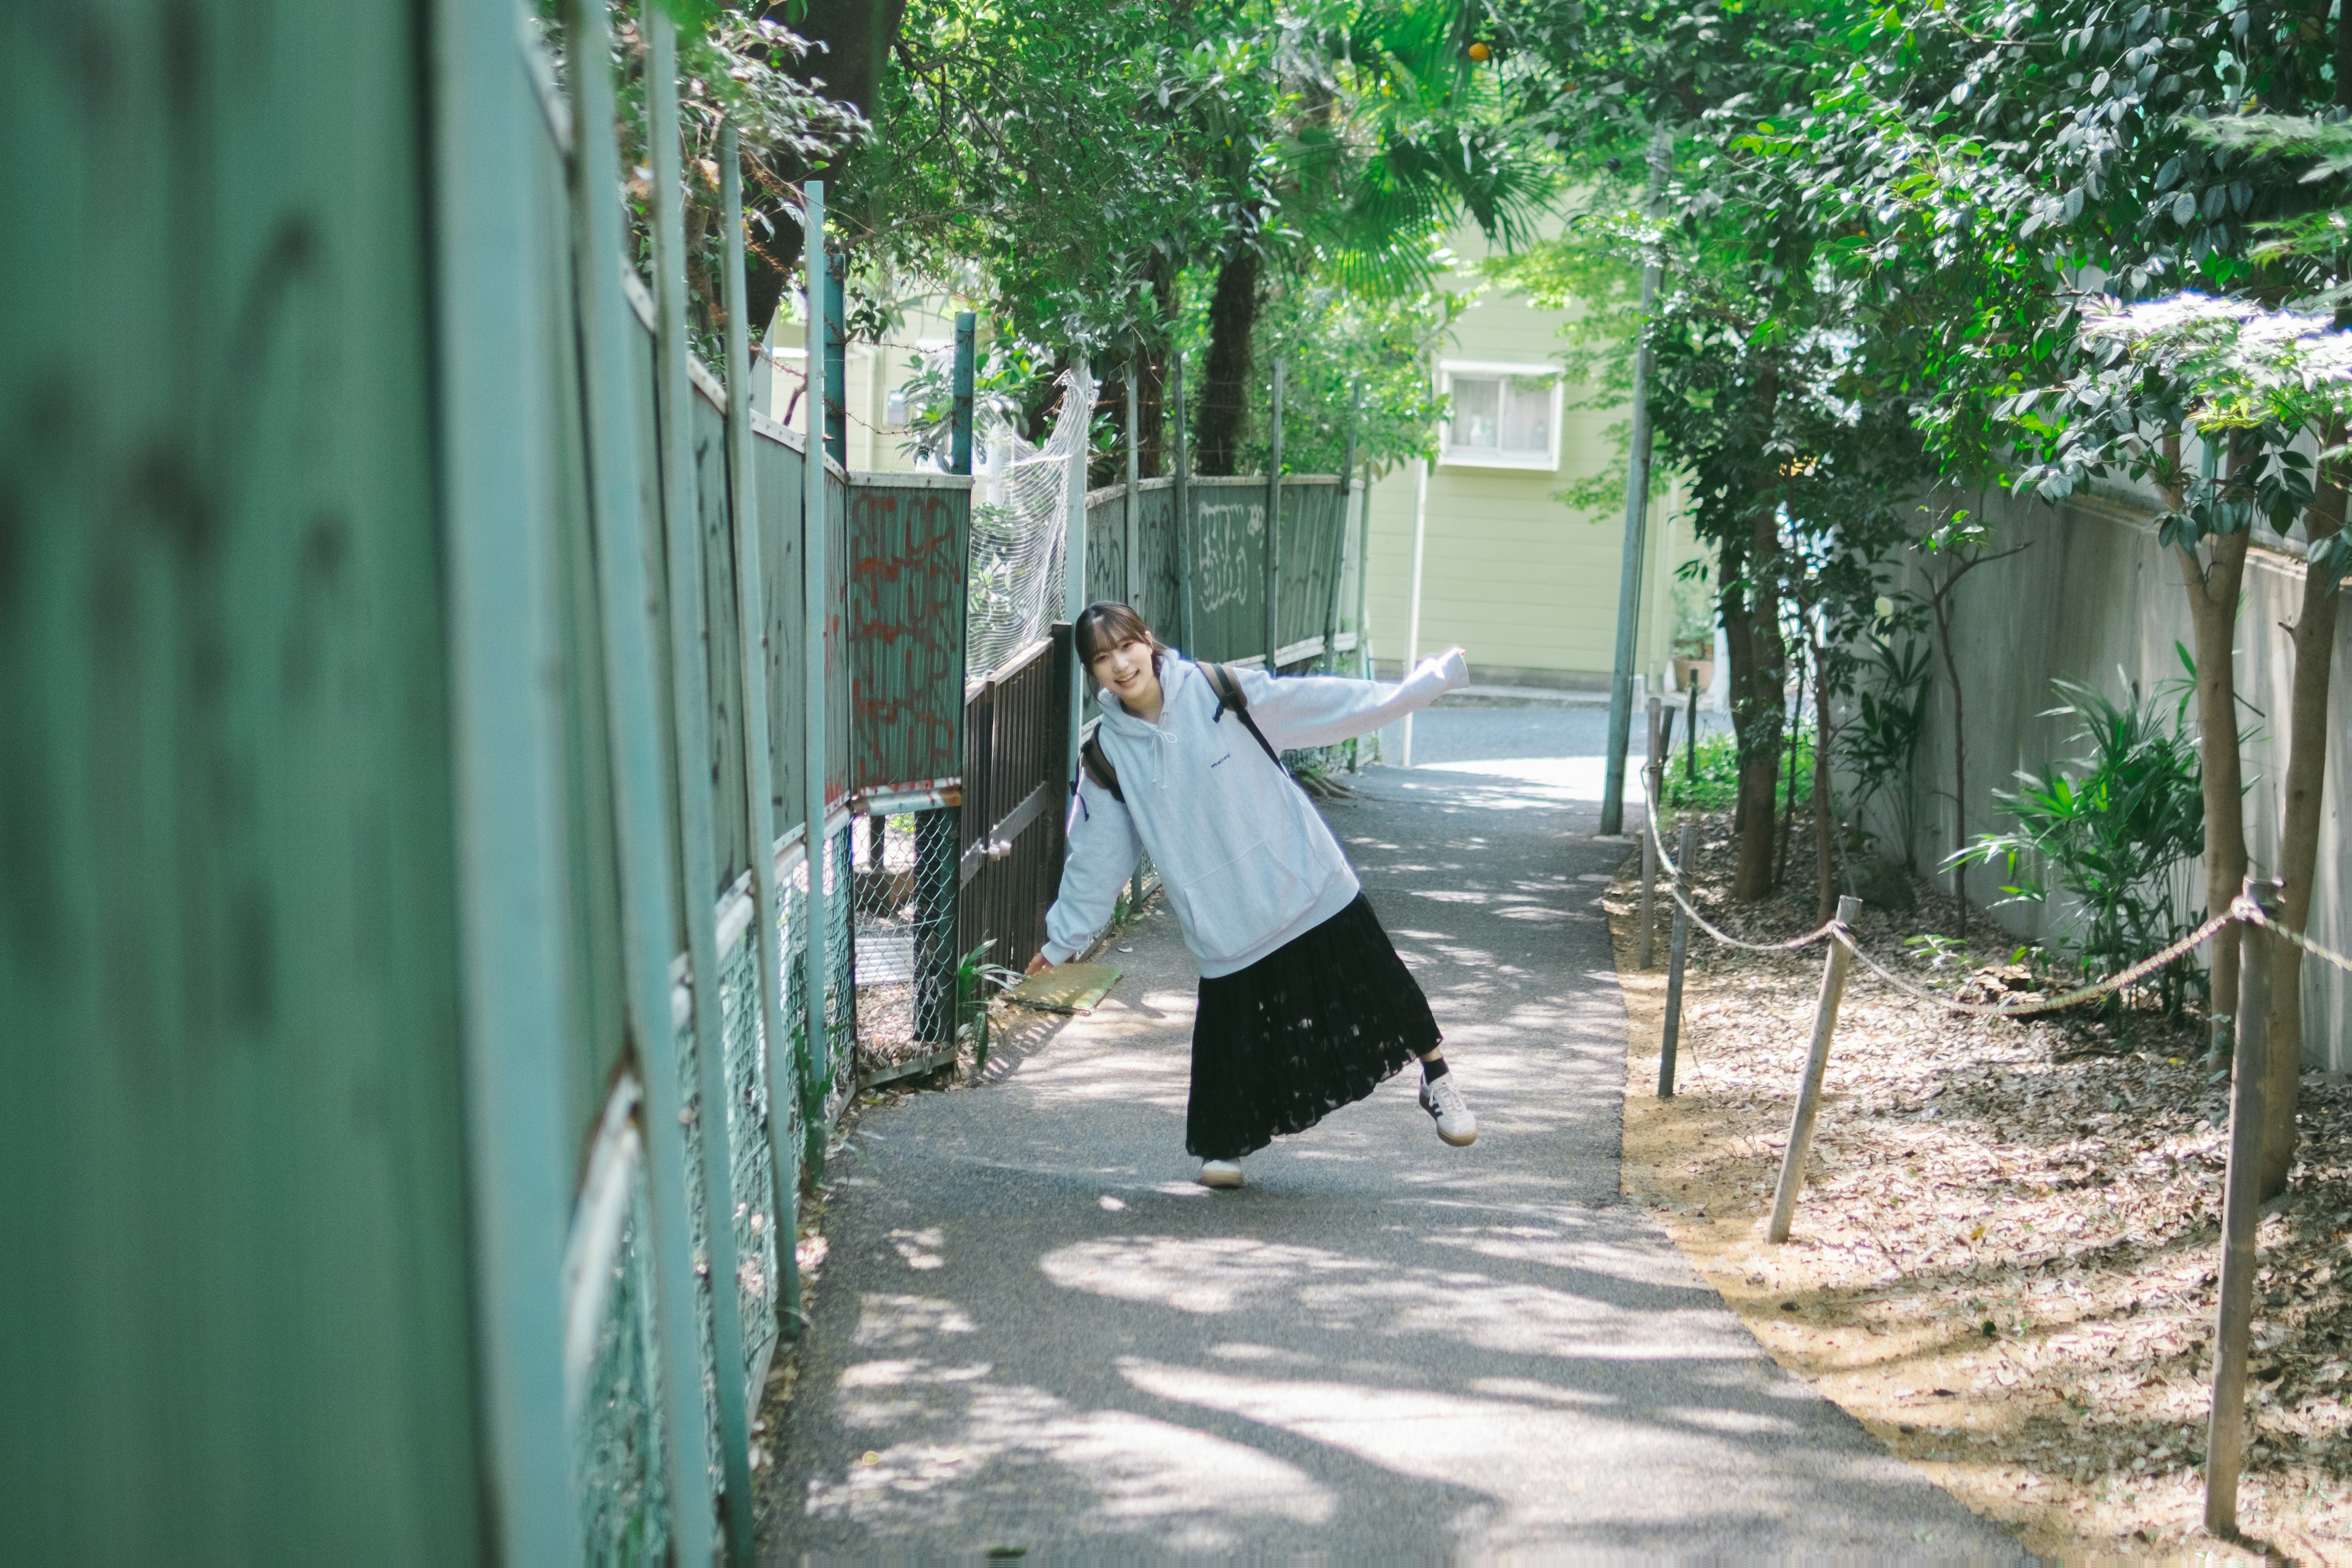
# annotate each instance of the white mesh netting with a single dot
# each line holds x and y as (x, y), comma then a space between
(1018, 518)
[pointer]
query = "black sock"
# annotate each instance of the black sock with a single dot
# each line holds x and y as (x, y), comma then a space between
(1433, 1069)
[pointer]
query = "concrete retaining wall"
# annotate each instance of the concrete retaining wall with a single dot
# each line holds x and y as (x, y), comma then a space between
(2095, 599)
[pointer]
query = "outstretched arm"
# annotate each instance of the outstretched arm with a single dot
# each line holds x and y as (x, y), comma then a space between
(1302, 710)
(1101, 857)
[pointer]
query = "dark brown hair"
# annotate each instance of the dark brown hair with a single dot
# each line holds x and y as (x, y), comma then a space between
(1105, 625)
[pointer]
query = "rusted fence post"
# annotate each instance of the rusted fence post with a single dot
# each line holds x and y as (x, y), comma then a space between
(1647, 940)
(1685, 853)
(1180, 493)
(2225, 1434)
(1809, 1093)
(939, 834)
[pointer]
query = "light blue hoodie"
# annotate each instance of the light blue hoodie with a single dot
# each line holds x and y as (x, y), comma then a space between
(1246, 857)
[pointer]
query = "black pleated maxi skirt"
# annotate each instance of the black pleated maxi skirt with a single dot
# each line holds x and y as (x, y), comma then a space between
(1314, 1025)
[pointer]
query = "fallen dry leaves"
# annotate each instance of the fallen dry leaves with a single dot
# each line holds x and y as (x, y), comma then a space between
(2004, 1259)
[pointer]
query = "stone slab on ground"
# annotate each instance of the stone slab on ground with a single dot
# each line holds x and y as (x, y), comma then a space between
(1034, 1330)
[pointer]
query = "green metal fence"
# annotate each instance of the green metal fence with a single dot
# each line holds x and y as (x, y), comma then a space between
(388, 801)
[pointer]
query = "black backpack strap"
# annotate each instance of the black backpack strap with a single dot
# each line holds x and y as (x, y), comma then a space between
(1097, 767)
(1231, 697)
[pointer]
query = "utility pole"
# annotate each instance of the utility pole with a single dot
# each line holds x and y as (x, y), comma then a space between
(1637, 512)
(1412, 595)
(1077, 413)
(1274, 531)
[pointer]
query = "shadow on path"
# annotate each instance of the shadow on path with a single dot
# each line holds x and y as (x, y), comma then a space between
(1036, 1331)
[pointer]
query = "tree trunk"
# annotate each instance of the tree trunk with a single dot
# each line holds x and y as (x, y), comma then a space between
(1731, 614)
(2213, 616)
(1225, 387)
(1151, 380)
(1756, 707)
(1789, 791)
(2314, 635)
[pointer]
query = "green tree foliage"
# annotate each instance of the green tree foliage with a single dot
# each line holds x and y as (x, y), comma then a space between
(1107, 175)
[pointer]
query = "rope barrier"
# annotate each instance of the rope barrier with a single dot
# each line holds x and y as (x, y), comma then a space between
(1795, 944)
(2245, 911)
(2116, 982)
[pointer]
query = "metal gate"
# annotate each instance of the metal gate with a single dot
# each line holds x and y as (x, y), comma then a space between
(1016, 731)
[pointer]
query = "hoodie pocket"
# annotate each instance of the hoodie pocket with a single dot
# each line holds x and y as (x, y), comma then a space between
(1233, 907)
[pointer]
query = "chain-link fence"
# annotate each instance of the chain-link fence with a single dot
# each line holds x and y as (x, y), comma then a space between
(904, 867)
(615, 1436)
(616, 1433)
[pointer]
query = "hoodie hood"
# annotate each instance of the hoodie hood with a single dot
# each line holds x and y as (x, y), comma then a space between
(1247, 861)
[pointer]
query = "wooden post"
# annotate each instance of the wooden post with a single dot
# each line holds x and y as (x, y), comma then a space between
(816, 960)
(1645, 940)
(689, 672)
(1180, 490)
(640, 794)
(1678, 953)
(1274, 531)
(1809, 1093)
(758, 765)
(2225, 1435)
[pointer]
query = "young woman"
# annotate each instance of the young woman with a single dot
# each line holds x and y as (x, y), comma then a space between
(1305, 1006)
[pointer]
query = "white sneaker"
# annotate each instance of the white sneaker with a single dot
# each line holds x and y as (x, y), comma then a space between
(1444, 1102)
(1220, 1173)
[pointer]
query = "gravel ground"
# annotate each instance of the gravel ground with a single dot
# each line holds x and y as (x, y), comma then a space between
(2005, 1258)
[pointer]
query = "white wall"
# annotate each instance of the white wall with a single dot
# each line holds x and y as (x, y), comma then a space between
(2093, 598)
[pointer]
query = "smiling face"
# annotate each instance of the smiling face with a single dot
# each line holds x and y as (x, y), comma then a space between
(1126, 670)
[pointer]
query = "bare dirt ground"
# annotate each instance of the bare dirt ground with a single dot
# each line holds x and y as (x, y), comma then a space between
(2004, 1260)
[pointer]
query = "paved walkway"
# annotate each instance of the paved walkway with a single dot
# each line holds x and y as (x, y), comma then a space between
(1035, 1331)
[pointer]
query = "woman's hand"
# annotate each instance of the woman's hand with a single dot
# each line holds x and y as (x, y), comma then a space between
(1037, 965)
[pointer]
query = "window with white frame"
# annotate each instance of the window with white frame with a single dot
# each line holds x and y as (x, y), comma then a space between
(1503, 415)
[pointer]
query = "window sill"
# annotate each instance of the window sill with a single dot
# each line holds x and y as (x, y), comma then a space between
(1508, 464)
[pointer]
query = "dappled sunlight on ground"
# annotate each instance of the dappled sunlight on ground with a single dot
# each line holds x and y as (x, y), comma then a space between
(1547, 781)
(1339, 1292)
(1043, 1334)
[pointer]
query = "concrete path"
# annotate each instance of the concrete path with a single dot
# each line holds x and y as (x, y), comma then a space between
(1035, 1331)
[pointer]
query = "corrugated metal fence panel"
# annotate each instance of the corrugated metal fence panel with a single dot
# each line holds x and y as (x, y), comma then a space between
(776, 471)
(1228, 567)
(231, 1108)
(715, 510)
(1310, 554)
(908, 542)
(591, 861)
(1156, 544)
(1106, 544)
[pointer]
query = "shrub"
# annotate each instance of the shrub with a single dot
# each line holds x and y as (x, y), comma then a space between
(1713, 784)
(2112, 828)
